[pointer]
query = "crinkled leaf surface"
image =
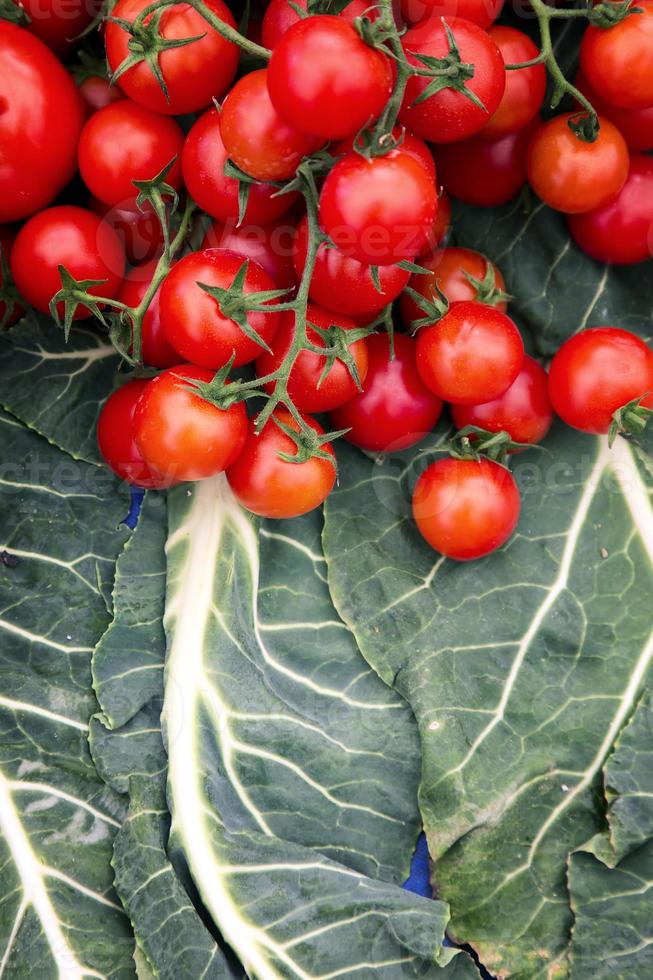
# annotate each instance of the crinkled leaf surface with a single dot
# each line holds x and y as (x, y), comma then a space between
(59, 914)
(521, 668)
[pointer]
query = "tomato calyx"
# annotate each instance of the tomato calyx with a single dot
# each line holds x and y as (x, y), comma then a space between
(434, 307)
(472, 442)
(448, 72)
(585, 126)
(630, 420)
(487, 291)
(75, 292)
(14, 13)
(337, 343)
(310, 444)
(235, 303)
(606, 15)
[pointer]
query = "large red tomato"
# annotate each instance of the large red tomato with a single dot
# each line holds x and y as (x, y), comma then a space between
(280, 15)
(115, 436)
(194, 73)
(618, 63)
(270, 245)
(525, 87)
(635, 125)
(452, 270)
(41, 117)
(481, 12)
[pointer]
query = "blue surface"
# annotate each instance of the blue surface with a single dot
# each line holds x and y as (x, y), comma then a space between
(418, 879)
(134, 507)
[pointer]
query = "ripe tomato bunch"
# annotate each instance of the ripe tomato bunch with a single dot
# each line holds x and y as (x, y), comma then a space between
(260, 220)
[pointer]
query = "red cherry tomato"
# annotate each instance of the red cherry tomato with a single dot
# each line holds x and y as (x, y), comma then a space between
(271, 486)
(481, 12)
(97, 92)
(525, 87)
(59, 24)
(406, 142)
(618, 63)
(194, 322)
(572, 175)
(448, 115)
(270, 245)
(124, 142)
(202, 162)
(523, 410)
(306, 387)
(41, 117)
(139, 231)
(486, 172)
(622, 230)
(450, 269)
(596, 372)
(77, 239)
(381, 210)
(115, 436)
(255, 136)
(324, 80)
(441, 226)
(155, 349)
(473, 354)
(466, 508)
(635, 125)
(180, 435)
(395, 408)
(194, 73)
(344, 284)
(7, 236)
(280, 16)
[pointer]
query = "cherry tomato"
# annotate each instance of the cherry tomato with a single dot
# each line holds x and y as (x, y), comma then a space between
(194, 322)
(139, 231)
(473, 354)
(574, 176)
(98, 92)
(194, 73)
(77, 239)
(255, 136)
(344, 284)
(483, 171)
(180, 435)
(124, 142)
(115, 436)
(466, 508)
(7, 236)
(450, 268)
(635, 125)
(621, 231)
(406, 142)
(441, 226)
(618, 63)
(596, 372)
(202, 162)
(525, 87)
(59, 24)
(273, 487)
(448, 115)
(523, 410)
(280, 16)
(270, 245)
(155, 349)
(324, 80)
(306, 388)
(481, 12)
(381, 210)
(41, 117)
(395, 408)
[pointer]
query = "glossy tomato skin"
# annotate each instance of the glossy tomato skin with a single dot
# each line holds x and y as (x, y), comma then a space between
(618, 63)
(193, 321)
(407, 142)
(596, 372)
(449, 268)
(466, 508)
(342, 283)
(75, 238)
(97, 92)
(156, 351)
(40, 122)
(481, 12)
(303, 383)
(194, 73)
(621, 231)
(270, 245)
(525, 88)
(395, 410)
(379, 211)
(139, 230)
(202, 162)
(180, 435)
(449, 116)
(124, 142)
(523, 411)
(59, 25)
(115, 436)
(272, 487)
(571, 175)
(483, 171)
(635, 125)
(473, 354)
(255, 136)
(7, 236)
(324, 80)
(279, 17)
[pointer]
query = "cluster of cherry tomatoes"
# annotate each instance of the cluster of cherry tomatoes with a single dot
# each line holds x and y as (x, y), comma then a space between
(383, 126)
